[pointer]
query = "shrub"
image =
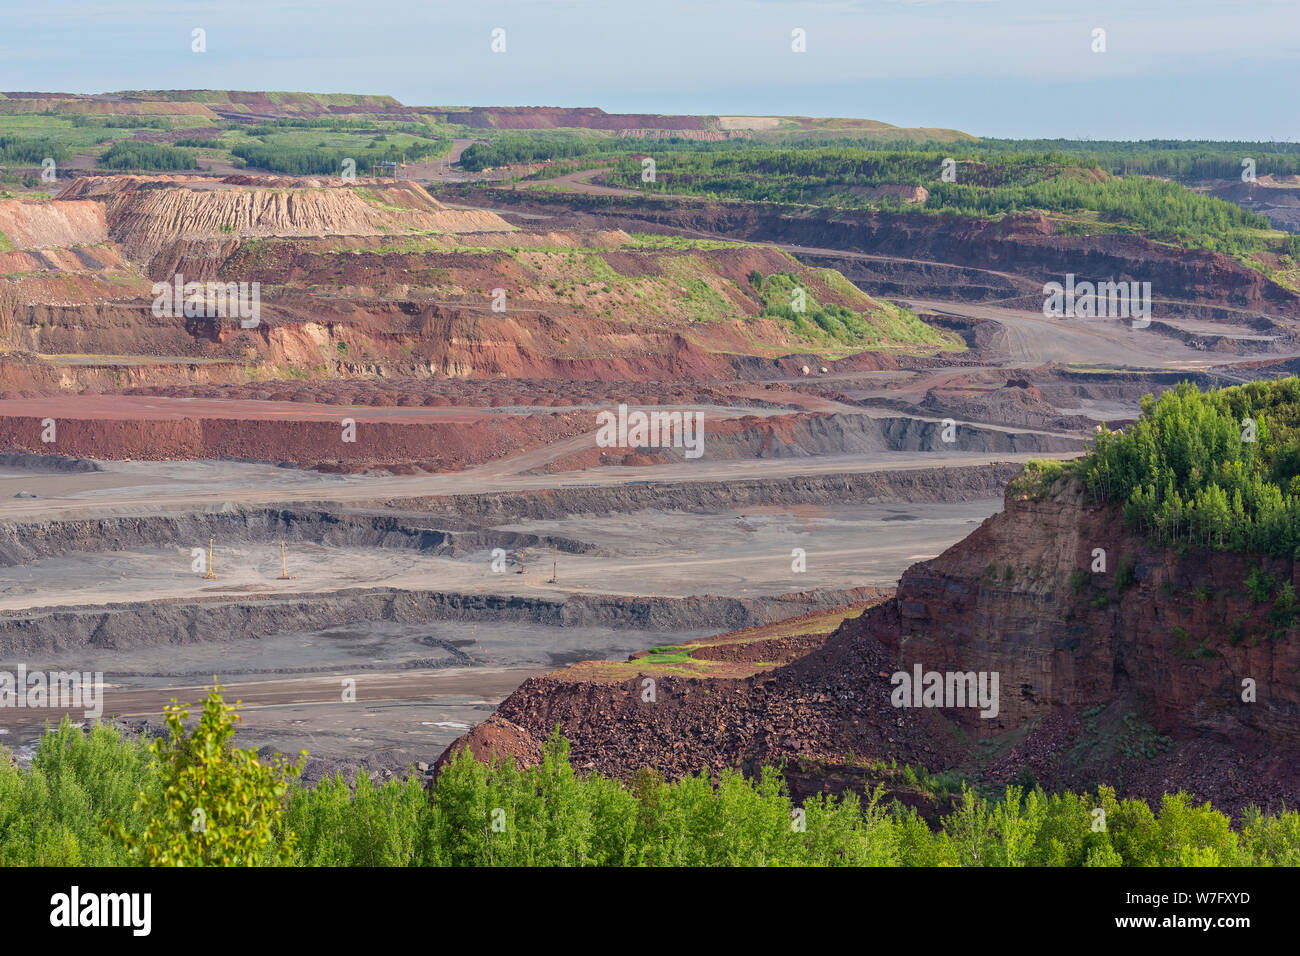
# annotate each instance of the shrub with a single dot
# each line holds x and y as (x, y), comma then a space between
(1036, 479)
(212, 804)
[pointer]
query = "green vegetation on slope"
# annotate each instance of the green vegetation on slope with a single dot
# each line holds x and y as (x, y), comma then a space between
(1183, 160)
(317, 160)
(30, 150)
(984, 188)
(522, 148)
(310, 145)
(820, 174)
(1084, 186)
(97, 799)
(785, 297)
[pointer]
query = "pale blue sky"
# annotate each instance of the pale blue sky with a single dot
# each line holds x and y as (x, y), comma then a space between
(1173, 68)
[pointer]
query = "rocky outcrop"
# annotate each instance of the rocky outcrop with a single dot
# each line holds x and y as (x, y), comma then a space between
(1180, 632)
(834, 700)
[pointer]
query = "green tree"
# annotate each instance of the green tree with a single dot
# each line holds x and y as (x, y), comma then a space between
(215, 805)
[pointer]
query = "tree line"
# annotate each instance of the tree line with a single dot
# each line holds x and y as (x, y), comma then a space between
(131, 154)
(319, 161)
(20, 149)
(190, 798)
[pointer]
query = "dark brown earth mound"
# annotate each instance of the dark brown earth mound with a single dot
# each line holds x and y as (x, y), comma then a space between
(709, 705)
(497, 739)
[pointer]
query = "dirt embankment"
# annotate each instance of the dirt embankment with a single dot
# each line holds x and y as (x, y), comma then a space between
(145, 214)
(959, 483)
(326, 445)
(641, 713)
(31, 225)
(803, 435)
(1279, 202)
(1017, 403)
(1181, 631)
(792, 436)
(554, 117)
(21, 543)
(317, 436)
(481, 393)
(362, 307)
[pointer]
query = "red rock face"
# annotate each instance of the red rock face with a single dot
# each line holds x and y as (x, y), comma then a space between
(1180, 633)
(429, 445)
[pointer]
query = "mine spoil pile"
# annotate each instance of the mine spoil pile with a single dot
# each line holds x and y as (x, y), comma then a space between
(1124, 677)
(145, 214)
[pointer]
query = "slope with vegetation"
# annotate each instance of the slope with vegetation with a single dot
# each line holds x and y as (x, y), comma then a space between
(1081, 198)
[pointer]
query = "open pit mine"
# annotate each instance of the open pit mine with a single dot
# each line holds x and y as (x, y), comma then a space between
(390, 470)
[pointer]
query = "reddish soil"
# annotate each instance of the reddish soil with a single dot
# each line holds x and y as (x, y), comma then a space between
(480, 393)
(173, 429)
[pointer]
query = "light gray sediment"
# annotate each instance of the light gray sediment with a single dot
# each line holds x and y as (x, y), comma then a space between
(912, 486)
(180, 622)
